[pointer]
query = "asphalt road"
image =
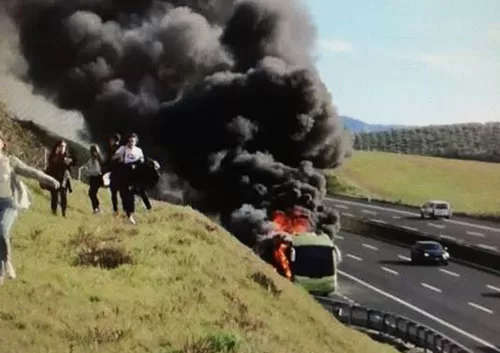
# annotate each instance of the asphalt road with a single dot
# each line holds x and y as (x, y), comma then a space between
(461, 302)
(481, 233)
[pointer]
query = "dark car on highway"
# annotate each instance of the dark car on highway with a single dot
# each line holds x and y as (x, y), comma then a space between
(430, 252)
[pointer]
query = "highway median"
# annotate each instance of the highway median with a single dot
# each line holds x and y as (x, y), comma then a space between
(459, 250)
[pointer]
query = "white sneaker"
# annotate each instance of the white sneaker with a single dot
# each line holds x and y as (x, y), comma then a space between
(9, 270)
(132, 220)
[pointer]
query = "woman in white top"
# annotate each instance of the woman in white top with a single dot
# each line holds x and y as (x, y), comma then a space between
(13, 196)
(129, 155)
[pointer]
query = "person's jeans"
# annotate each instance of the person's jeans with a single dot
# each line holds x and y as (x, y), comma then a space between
(94, 185)
(8, 214)
(60, 194)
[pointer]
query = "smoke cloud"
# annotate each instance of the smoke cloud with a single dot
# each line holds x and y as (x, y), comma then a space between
(224, 92)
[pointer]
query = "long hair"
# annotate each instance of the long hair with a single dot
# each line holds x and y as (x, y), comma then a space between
(54, 148)
(95, 152)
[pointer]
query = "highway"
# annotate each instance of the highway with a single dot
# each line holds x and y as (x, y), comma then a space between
(481, 233)
(461, 302)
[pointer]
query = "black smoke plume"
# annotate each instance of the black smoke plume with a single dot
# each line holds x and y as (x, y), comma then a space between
(224, 92)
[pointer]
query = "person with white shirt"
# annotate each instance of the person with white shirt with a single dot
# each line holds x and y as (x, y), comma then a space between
(130, 156)
(14, 197)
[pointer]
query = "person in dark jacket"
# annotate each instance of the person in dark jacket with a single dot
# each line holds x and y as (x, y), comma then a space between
(59, 164)
(112, 166)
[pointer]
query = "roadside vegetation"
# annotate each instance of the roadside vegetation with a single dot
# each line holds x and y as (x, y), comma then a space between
(473, 141)
(470, 186)
(176, 282)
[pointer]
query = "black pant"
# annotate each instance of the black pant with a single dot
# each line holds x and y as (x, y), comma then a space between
(127, 195)
(114, 189)
(95, 183)
(144, 196)
(57, 195)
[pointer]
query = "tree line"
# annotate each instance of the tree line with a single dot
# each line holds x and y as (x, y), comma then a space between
(472, 141)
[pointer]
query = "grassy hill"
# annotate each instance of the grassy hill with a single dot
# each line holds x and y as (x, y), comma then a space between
(175, 283)
(471, 186)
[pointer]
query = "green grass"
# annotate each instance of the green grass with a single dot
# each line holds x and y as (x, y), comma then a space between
(175, 283)
(471, 187)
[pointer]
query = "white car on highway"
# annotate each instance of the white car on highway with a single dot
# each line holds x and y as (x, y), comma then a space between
(436, 209)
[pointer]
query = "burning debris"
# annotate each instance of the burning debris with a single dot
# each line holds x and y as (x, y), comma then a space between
(223, 93)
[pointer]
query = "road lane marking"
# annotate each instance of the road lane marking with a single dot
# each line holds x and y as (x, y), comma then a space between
(477, 306)
(422, 312)
(390, 271)
(497, 230)
(440, 226)
(354, 257)
(342, 206)
(488, 247)
(378, 221)
(340, 237)
(396, 217)
(348, 214)
(489, 286)
(371, 247)
(368, 212)
(406, 258)
(446, 236)
(476, 234)
(449, 272)
(428, 286)
(410, 228)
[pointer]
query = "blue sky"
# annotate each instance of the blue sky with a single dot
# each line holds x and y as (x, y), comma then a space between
(410, 62)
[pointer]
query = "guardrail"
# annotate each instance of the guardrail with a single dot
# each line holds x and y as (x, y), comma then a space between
(392, 325)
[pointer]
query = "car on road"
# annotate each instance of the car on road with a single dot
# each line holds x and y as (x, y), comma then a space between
(436, 209)
(431, 252)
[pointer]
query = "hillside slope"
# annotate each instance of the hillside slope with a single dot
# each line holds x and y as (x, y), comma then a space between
(175, 283)
(471, 187)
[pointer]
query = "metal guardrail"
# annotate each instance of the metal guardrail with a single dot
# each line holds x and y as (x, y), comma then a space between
(393, 325)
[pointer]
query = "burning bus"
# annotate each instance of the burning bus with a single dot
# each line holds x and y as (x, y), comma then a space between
(305, 257)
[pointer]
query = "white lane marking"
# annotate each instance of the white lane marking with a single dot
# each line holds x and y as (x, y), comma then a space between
(390, 271)
(341, 206)
(371, 247)
(476, 234)
(378, 221)
(497, 230)
(354, 257)
(477, 306)
(422, 312)
(410, 228)
(454, 274)
(446, 236)
(489, 286)
(489, 247)
(428, 286)
(348, 214)
(440, 226)
(340, 237)
(406, 258)
(396, 217)
(368, 212)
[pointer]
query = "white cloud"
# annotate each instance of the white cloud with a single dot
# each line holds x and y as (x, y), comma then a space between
(494, 33)
(334, 45)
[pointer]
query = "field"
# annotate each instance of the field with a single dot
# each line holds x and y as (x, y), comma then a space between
(471, 187)
(176, 282)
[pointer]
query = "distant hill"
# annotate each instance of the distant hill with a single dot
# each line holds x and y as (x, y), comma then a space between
(356, 125)
(472, 141)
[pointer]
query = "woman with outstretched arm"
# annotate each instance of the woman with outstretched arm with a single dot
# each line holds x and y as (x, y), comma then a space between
(14, 196)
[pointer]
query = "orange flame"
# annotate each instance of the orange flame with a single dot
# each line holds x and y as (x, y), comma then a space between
(292, 225)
